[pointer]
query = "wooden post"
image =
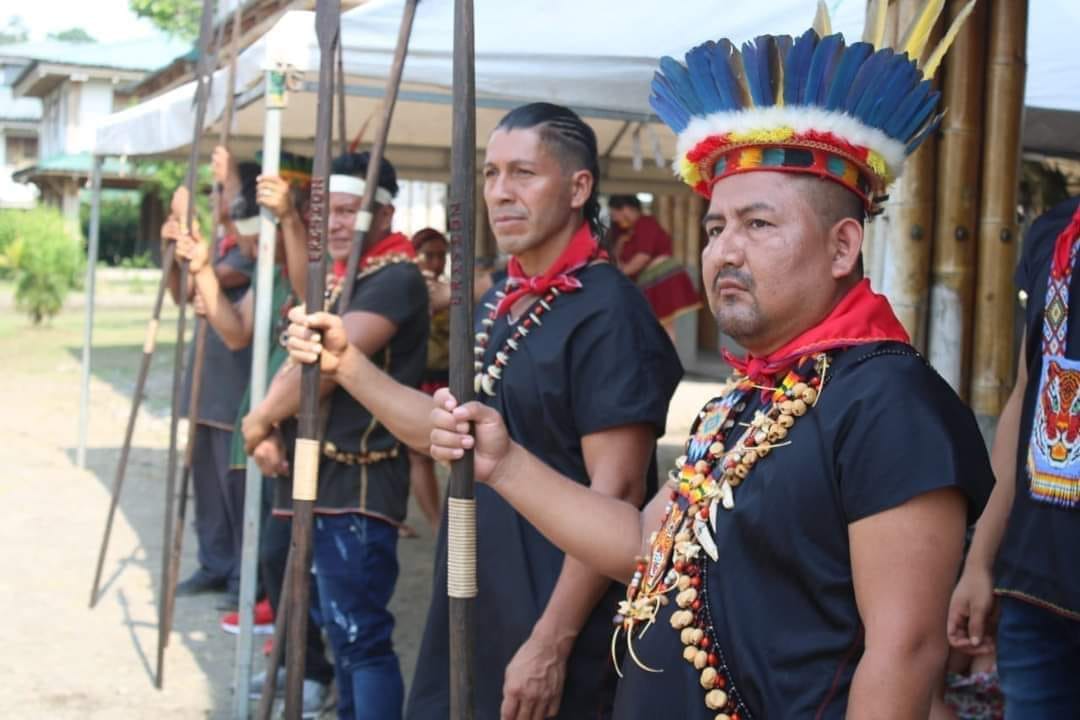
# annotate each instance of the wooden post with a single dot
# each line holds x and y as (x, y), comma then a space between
(461, 586)
(664, 210)
(696, 207)
(678, 225)
(956, 212)
(907, 227)
(992, 374)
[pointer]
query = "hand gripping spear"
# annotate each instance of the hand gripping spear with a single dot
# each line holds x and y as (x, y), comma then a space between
(306, 455)
(149, 345)
(461, 530)
(197, 366)
(203, 69)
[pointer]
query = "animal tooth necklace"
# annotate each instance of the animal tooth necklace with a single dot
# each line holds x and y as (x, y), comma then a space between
(704, 482)
(528, 322)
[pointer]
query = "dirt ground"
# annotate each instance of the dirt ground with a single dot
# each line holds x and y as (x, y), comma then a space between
(61, 659)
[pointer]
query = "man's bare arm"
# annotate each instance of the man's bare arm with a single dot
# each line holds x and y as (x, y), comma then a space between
(904, 562)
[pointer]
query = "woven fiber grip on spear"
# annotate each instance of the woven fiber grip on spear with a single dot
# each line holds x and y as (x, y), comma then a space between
(461, 529)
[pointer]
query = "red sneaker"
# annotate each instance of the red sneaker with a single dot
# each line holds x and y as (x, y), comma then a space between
(264, 620)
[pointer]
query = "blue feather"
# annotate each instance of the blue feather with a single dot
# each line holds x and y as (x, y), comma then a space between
(832, 62)
(819, 63)
(679, 78)
(756, 60)
(672, 115)
(931, 126)
(866, 74)
(697, 63)
(798, 61)
(900, 81)
(721, 72)
(854, 57)
(916, 121)
(911, 104)
(878, 85)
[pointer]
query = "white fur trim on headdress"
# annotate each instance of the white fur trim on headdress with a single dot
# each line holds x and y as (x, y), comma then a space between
(355, 186)
(800, 119)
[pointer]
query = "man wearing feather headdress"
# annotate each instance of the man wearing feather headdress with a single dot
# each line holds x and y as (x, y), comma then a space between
(800, 560)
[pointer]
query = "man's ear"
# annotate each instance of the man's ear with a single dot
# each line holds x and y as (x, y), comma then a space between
(845, 240)
(581, 185)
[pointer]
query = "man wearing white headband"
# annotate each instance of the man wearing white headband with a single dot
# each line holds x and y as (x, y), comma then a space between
(364, 473)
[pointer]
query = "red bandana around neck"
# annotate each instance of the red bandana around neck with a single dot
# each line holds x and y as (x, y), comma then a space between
(862, 316)
(582, 250)
(392, 244)
(1062, 262)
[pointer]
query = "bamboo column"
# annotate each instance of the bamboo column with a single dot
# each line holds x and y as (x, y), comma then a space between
(663, 207)
(956, 212)
(905, 230)
(992, 372)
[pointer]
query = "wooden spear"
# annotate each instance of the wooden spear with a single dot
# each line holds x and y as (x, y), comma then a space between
(204, 69)
(378, 149)
(994, 355)
(461, 584)
(198, 363)
(306, 455)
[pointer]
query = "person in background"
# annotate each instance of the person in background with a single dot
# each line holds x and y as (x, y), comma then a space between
(643, 252)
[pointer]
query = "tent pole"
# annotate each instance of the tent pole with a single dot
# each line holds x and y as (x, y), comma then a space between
(271, 153)
(992, 373)
(88, 328)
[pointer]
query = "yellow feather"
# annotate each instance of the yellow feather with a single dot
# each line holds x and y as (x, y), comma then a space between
(822, 24)
(876, 15)
(934, 61)
(918, 32)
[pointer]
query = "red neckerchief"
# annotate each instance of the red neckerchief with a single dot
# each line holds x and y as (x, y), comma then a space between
(227, 243)
(392, 244)
(582, 249)
(862, 316)
(1062, 264)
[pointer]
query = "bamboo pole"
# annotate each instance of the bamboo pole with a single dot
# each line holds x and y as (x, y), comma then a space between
(992, 372)
(956, 211)
(907, 227)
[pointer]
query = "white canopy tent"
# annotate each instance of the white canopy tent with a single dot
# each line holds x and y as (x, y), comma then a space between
(597, 57)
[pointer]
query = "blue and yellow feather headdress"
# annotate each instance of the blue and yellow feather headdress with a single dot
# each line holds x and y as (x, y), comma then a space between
(812, 104)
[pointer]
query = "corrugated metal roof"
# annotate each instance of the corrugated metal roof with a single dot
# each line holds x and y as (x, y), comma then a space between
(144, 54)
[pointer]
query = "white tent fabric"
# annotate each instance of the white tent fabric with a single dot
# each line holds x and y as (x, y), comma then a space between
(596, 56)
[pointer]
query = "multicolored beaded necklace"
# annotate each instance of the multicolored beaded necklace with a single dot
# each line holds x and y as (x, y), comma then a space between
(703, 481)
(528, 321)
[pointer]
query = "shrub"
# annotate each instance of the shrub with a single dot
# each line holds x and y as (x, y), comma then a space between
(44, 255)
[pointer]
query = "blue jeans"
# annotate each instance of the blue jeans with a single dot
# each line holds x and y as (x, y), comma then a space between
(1038, 662)
(355, 569)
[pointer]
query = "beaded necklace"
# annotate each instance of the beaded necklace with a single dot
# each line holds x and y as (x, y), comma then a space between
(487, 377)
(704, 481)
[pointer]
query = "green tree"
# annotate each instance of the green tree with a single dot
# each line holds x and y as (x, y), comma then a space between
(45, 256)
(14, 31)
(73, 35)
(176, 17)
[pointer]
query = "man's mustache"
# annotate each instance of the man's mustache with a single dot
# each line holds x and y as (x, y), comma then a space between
(729, 273)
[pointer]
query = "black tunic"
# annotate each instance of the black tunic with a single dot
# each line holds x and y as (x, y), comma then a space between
(600, 360)
(1037, 560)
(886, 429)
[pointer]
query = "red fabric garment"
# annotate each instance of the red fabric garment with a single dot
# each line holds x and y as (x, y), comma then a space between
(862, 316)
(647, 237)
(392, 244)
(227, 243)
(1063, 247)
(581, 250)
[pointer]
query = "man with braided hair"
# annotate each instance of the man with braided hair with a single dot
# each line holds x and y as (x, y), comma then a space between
(571, 356)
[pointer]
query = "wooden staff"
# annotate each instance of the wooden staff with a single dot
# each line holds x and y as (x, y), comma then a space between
(956, 212)
(273, 662)
(461, 584)
(994, 355)
(198, 364)
(204, 69)
(306, 455)
(342, 125)
(378, 148)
